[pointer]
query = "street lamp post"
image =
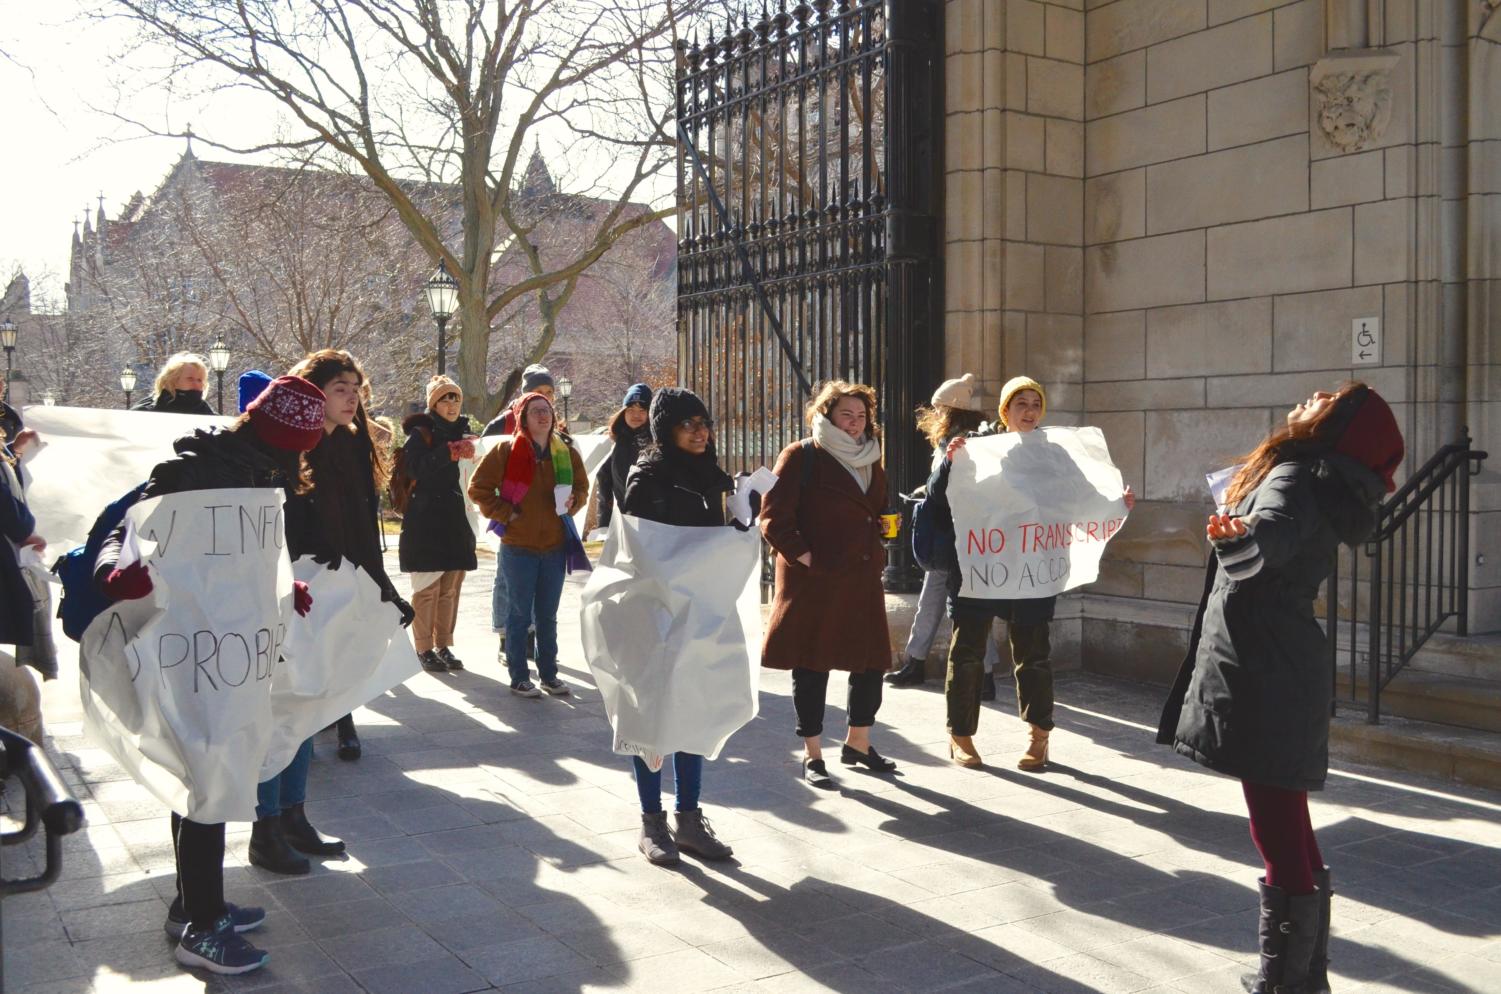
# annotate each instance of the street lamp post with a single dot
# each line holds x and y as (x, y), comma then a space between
(218, 358)
(443, 297)
(8, 341)
(565, 390)
(127, 383)
(18, 388)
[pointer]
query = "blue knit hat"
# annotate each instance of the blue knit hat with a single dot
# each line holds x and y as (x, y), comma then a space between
(252, 385)
(639, 393)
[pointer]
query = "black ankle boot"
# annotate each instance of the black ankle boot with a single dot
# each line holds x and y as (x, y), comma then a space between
(1289, 928)
(269, 849)
(349, 739)
(303, 837)
(911, 674)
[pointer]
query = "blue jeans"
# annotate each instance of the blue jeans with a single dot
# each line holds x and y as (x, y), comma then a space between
(500, 600)
(535, 584)
(288, 787)
(687, 771)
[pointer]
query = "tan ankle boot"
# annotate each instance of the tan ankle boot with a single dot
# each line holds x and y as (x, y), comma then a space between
(962, 751)
(1036, 756)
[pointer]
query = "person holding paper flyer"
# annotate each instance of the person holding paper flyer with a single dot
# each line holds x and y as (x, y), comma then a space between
(953, 413)
(179, 387)
(1252, 698)
(263, 448)
(530, 483)
(437, 543)
(1022, 407)
(677, 482)
(823, 518)
(632, 434)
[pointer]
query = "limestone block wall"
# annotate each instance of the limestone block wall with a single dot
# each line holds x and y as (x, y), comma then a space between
(1223, 242)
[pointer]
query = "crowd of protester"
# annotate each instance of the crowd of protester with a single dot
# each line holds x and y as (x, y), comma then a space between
(1251, 700)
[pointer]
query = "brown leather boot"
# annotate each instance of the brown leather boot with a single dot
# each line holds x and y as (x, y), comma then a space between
(962, 751)
(1036, 756)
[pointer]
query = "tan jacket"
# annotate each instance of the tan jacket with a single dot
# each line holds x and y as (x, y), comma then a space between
(535, 525)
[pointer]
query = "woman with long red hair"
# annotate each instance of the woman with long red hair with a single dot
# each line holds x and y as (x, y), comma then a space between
(1252, 699)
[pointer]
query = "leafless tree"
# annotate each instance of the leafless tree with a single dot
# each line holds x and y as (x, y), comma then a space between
(414, 92)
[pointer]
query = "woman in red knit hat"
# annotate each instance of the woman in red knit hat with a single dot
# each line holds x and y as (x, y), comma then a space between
(1252, 699)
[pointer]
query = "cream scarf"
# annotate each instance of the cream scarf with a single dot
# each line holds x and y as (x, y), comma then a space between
(855, 456)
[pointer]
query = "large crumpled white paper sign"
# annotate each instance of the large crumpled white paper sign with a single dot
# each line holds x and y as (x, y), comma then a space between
(177, 685)
(1033, 511)
(88, 457)
(671, 624)
(348, 651)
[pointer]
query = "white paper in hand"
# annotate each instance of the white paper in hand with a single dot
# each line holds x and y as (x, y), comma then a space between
(561, 495)
(761, 482)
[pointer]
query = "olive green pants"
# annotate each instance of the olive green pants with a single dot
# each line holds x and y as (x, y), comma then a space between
(1030, 664)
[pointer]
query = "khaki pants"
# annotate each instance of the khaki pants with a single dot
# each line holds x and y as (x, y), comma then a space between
(1030, 651)
(437, 608)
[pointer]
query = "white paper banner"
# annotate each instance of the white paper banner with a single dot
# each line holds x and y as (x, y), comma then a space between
(671, 625)
(90, 456)
(1033, 511)
(177, 685)
(348, 651)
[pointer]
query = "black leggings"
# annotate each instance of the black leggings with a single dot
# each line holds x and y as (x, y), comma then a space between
(199, 850)
(810, 690)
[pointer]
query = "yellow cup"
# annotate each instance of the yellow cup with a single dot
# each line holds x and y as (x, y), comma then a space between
(891, 525)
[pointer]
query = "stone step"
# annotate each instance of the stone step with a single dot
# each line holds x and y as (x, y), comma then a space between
(1443, 699)
(1467, 755)
(1477, 657)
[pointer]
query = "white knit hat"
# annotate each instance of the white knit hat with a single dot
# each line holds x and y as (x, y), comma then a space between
(958, 393)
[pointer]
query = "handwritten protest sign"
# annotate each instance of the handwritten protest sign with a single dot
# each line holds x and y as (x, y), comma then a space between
(177, 685)
(671, 625)
(1033, 511)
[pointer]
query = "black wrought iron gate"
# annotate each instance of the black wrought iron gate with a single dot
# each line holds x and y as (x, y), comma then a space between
(808, 187)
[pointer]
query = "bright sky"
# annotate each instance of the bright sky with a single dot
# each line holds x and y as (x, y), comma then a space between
(62, 148)
(63, 145)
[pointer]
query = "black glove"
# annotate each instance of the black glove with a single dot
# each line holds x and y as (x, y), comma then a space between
(741, 526)
(328, 558)
(407, 614)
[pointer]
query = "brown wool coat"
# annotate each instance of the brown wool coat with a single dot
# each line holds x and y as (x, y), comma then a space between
(535, 526)
(833, 616)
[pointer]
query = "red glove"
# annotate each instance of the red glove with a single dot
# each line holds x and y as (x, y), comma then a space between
(302, 601)
(128, 584)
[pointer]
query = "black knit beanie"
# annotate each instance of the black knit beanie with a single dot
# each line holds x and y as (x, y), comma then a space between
(671, 406)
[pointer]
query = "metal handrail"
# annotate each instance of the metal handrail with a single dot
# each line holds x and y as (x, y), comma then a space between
(1417, 576)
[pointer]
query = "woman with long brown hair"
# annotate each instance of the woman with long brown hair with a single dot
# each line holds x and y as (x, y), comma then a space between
(823, 519)
(336, 520)
(953, 412)
(1252, 697)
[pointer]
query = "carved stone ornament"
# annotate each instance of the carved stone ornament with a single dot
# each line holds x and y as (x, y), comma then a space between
(1353, 96)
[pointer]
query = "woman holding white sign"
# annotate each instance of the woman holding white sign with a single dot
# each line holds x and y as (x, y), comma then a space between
(1252, 698)
(677, 481)
(1022, 407)
(823, 518)
(263, 448)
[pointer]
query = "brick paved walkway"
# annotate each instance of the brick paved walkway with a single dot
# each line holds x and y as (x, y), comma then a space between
(492, 845)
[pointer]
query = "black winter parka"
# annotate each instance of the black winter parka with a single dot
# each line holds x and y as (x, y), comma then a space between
(1253, 694)
(610, 478)
(673, 491)
(436, 536)
(182, 402)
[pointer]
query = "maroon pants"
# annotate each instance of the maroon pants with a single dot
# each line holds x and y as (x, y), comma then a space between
(1284, 836)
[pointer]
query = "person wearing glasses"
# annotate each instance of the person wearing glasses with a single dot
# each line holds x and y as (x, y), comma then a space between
(823, 519)
(437, 542)
(677, 481)
(527, 483)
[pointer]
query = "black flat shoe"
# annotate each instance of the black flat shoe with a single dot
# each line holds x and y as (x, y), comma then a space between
(817, 774)
(432, 662)
(872, 760)
(449, 659)
(349, 739)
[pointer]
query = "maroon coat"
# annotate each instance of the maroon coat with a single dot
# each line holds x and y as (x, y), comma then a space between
(833, 616)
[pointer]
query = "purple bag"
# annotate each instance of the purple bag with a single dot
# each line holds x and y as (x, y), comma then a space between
(575, 558)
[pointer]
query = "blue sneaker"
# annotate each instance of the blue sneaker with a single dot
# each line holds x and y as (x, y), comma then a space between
(219, 950)
(245, 919)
